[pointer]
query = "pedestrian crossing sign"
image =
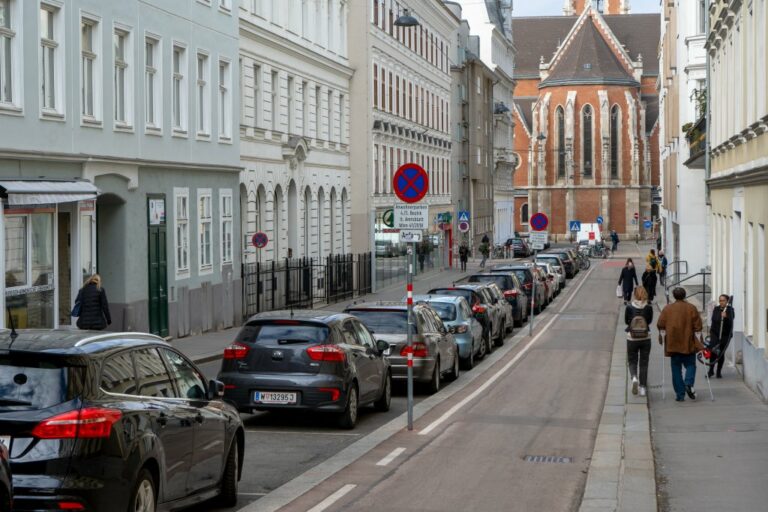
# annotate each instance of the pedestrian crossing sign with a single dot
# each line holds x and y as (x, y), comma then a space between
(463, 216)
(574, 225)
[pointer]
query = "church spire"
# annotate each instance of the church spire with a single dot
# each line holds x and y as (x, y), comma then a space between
(577, 7)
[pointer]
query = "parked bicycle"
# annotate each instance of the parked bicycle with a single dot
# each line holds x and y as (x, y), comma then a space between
(583, 258)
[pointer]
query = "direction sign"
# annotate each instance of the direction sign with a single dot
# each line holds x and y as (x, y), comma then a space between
(411, 235)
(411, 216)
(389, 218)
(600, 219)
(463, 216)
(260, 240)
(410, 183)
(463, 226)
(539, 222)
(647, 224)
(574, 225)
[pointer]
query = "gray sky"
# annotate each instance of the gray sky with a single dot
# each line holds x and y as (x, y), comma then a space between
(555, 7)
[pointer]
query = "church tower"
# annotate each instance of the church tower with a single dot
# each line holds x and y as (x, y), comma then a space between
(576, 7)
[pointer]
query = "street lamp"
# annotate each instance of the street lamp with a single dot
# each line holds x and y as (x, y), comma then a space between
(406, 20)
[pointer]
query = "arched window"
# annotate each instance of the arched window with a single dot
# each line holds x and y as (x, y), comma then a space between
(615, 142)
(307, 222)
(524, 213)
(560, 117)
(586, 138)
(277, 227)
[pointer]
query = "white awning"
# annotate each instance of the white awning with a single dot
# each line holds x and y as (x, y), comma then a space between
(31, 192)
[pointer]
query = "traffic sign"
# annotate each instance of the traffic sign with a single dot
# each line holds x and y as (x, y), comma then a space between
(463, 216)
(539, 222)
(411, 216)
(388, 218)
(591, 235)
(538, 239)
(260, 240)
(410, 183)
(463, 226)
(637, 215)
(600, 219)
(574, 225)
(411, 235)
(647, 224)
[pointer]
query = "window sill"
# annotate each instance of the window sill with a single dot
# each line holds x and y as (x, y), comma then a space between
(153, 130)
(180, 276)
(9, 109)
(51, 115)
(225, 10)
(225, 140)
(203, 136)
(124, 128)
(204, 271)
(90, 122)
(181, 134)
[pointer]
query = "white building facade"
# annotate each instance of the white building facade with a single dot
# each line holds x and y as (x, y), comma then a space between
(294, 128)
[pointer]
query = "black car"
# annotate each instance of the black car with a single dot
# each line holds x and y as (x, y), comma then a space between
(119, 421)
(511, 287)
(571, 269)
(306, 360)
(530, 283)
(6, 482)
(519, 247)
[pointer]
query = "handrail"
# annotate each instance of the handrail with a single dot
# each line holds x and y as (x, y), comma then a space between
(678, 263)
(703, 291)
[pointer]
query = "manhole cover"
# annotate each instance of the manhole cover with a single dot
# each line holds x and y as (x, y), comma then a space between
(548, 459)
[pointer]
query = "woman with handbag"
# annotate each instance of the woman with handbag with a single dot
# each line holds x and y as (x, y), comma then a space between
(93, 306)
(627, 280)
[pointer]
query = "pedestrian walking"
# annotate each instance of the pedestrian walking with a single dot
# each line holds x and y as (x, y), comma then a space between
(652, 261)
(720, 332)
(628, 280)
(663, 263)
(92, 306)
(484, 251)
(638, 316)
(463, 256)
(680, 327)
(485, 239)
(649, 282)
(614, 241)
(422, 255)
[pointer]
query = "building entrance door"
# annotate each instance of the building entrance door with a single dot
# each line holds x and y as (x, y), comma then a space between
(64, 267)
(157, 264)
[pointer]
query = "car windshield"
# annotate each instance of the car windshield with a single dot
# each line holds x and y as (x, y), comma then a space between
(384, 321)
(283, 332)
(29, 384)
(501, 281)
(445, 310)
(524, 275)
(455, 292)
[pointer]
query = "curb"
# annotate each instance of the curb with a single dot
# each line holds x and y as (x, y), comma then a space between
(207, 358)
(621, 473)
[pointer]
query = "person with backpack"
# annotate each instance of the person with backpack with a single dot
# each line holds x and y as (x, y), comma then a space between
(663, 264)
(720, 332)
(638, 316)
(649, 282)
(652, 261)
(628, 279)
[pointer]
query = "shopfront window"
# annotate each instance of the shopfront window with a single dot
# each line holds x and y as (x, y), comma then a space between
(42, 249)
(15, 251)
(86, 245)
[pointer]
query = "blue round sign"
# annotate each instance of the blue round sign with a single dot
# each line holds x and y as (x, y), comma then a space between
(411, 183)
(539, 222)
(647, 224)
(600, 219)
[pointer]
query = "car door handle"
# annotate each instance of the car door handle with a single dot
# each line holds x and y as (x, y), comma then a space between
(162, 419)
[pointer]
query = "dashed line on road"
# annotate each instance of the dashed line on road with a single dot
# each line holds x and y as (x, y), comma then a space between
(392, 456)
(251, 494)
(299, 432)
(333, 498)
(485, 385)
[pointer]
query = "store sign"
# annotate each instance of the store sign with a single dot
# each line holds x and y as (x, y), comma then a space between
(411, 216)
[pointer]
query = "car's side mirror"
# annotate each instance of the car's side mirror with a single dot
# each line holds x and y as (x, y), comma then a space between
(381, 346)
(215, 389)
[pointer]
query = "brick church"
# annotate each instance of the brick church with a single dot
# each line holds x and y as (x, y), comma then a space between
(586, 109)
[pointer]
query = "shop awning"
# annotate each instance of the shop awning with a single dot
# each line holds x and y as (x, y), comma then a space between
(31, 192)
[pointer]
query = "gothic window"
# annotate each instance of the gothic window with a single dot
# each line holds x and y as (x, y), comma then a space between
(586, 138)
(615, 142)
(524, 213)
(560, 116)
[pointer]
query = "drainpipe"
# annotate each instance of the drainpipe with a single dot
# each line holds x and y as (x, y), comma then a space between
(708, 117)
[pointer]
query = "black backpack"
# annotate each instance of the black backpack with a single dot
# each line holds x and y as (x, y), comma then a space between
(638, 326)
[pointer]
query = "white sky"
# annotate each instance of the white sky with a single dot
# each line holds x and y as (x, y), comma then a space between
(555, 7)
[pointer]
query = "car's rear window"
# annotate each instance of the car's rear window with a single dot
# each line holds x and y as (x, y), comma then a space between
(524, 275)
(30, 384)
(283, 332)
(445, 310)
(454, 292)
(504, 282)
(384, 321)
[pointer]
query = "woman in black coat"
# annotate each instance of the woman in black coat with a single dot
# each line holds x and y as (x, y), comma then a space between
(94, 308)
(720, 332)
(649, 282)
(628, 279)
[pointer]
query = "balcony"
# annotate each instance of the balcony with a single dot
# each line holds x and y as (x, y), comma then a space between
(696, 135)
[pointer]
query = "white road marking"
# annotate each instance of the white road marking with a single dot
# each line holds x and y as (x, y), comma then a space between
(251, 494)
(392, 456)
(450, 412)
(309, 432)
(333, 498)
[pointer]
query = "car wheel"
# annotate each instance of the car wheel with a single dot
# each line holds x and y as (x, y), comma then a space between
(455, 371)
(489, 344)
(500, 339)
(229, 479)
(434, 383)
(143, 496)
(348, 418)
(383, 403)
(469, 362)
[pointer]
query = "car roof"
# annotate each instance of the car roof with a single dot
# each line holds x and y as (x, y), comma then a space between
(380, 305)
(518, 266)
(72, 342)
(438, 298)
(306, 315)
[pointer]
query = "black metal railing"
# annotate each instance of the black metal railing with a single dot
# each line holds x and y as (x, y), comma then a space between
(703, 291)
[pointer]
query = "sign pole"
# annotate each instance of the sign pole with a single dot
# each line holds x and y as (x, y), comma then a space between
(409, 336)
(533, 298)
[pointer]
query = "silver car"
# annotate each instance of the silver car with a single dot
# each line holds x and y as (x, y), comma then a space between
(552, 276)
(556, 264)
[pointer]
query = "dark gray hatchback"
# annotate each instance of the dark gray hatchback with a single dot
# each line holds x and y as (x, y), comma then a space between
(310, 360)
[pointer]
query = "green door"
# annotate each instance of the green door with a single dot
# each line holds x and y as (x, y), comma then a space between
(158, 266)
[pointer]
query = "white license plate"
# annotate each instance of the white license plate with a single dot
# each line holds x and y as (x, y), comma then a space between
(387, 351)
(6, 440)
(270, 397)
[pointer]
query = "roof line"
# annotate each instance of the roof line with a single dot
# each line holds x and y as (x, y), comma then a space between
(590, 81)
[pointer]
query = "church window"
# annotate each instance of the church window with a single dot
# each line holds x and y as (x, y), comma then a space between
(560, 117)
(586, 124)
(615, 142)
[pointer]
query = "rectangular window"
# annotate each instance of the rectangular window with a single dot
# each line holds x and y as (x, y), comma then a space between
(49, 56)
(205, 219)
(181, 231)
(330, 117)
(305, 108)
(258, 103)
(342, 120)
(7, 41)
(275, 107)
(179, 89)
(88, 67)
(203, 96)
(225, 205)
(152, 91)
(121, 76)
(318, 96)
(225, 101)
(291, 85)
(375, 85)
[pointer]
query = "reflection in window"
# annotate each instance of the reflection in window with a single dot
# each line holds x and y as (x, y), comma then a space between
(188, 381)
(117, 375)
(153, 377)
(42, 249)
(15, 251)
(86, 246)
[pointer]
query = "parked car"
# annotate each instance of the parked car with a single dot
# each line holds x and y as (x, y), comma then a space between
(511, 288)
(118, 421)
(565, 256)
(533, 288)
(307, 360)
(506, 307)
(483, 303)
(485, 316)
(549, 286)
(552, 276)
(557, 265)
(519, 247)
(6, 481)
(457, 318)
(434, 349)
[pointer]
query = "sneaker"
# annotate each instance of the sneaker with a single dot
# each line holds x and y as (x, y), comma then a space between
(680, 399)
(634, 385)
(642, 391)
(690, 392)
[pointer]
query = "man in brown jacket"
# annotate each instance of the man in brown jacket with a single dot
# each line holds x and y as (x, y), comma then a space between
(680, 324)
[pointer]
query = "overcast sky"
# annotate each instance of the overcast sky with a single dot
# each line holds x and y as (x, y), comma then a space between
(555, 7)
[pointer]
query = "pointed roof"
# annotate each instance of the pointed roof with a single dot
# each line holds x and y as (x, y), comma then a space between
(587, 59)
(524, 107)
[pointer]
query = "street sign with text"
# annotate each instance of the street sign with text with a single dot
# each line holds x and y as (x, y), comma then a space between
(538, 238)
(411, 235)
(411, 216)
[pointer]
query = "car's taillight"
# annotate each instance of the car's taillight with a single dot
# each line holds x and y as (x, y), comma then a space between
(236, 351)
(328, 353)
(458, 329)
(510, 293)
(90, 422)
(419, 349)
(334, 392)
(71, 505)
(528, 286)
(478, 309)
